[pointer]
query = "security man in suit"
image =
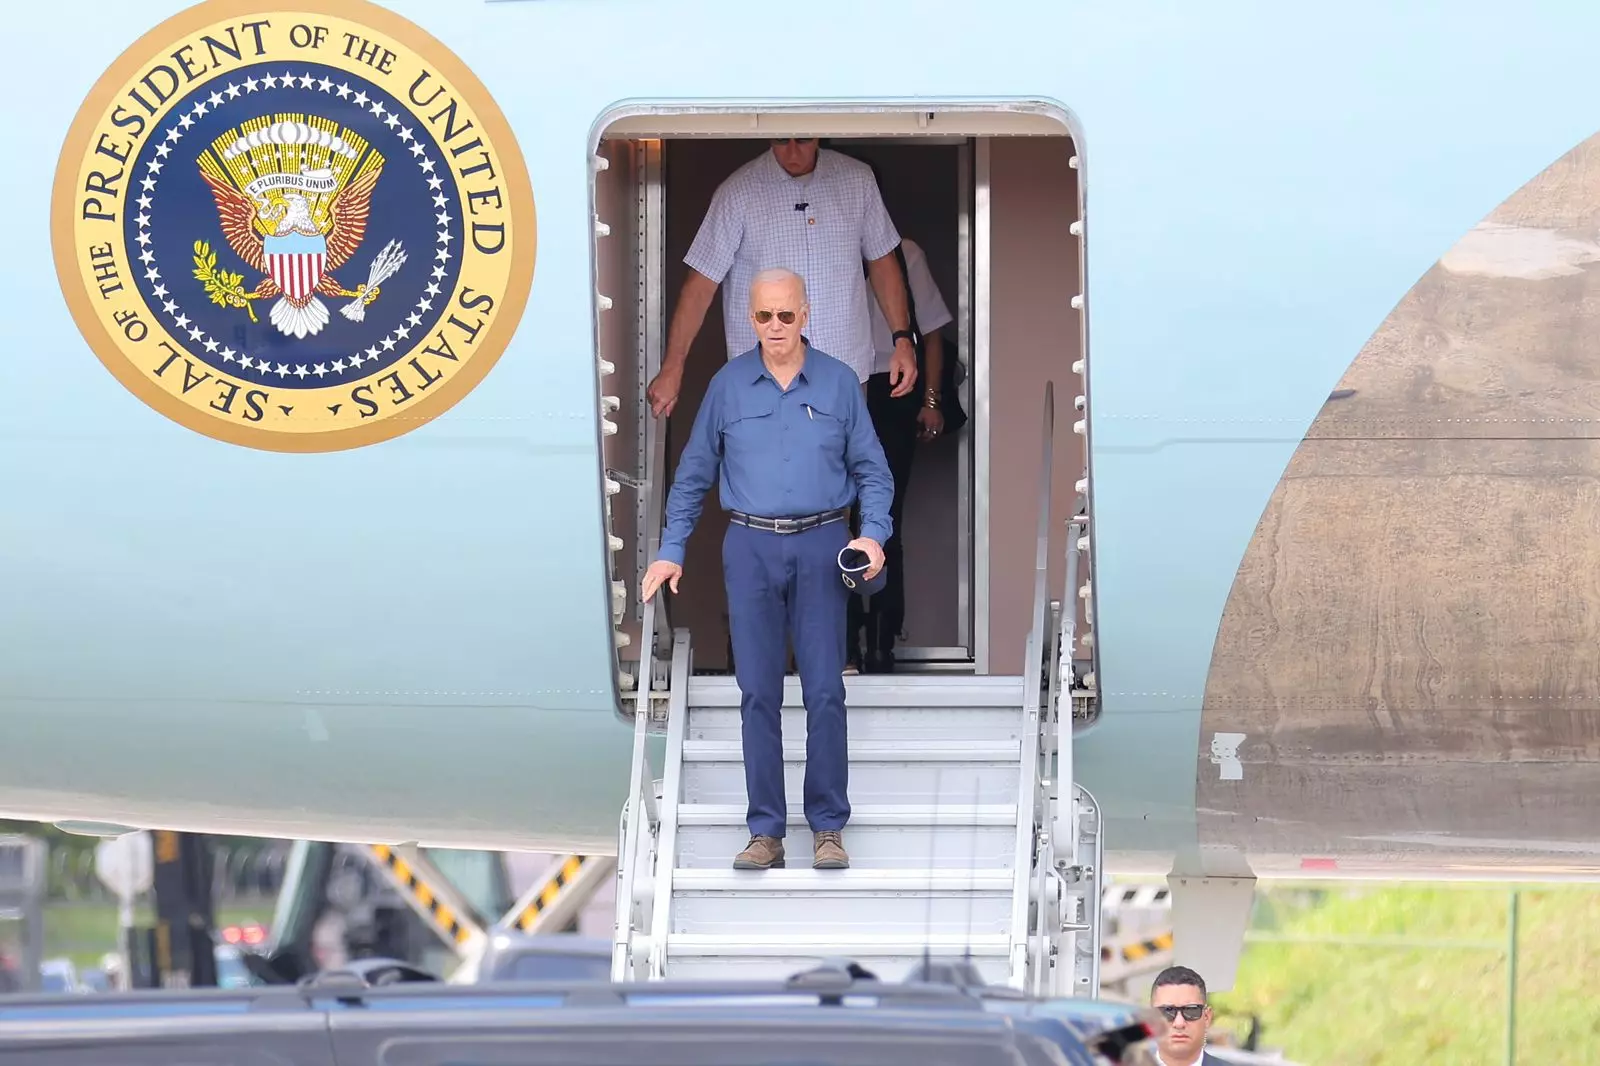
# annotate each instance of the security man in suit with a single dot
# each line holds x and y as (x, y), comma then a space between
(1179, 993)
(788, 427)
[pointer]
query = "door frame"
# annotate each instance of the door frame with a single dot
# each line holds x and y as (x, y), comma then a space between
(978, 124)
(972, 349)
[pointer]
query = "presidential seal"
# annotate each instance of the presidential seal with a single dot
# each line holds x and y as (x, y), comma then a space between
(299, 228)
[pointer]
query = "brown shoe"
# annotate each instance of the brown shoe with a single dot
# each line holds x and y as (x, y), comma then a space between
(830, 853)
(762, 853)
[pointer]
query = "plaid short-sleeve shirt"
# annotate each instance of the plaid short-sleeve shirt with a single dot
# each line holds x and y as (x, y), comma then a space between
(820, 225)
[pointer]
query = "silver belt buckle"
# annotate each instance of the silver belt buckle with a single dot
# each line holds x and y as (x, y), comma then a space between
(789, 525)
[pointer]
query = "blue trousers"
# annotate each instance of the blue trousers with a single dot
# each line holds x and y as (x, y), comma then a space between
(782, 585)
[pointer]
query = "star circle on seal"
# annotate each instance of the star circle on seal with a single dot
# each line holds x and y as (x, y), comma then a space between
(302, 230)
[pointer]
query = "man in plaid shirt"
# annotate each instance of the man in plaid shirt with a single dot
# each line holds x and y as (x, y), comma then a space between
(818, 213)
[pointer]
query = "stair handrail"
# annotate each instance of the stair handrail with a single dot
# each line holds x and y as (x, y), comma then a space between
(1077, 559)
(639, 816)
(1063, 811)
(655, 623)
(666, 842)
(649, 824)
(1034, 680)
(641, 813)
(1063, 831)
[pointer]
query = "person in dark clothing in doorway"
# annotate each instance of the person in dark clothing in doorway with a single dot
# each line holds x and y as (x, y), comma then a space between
(901, 423)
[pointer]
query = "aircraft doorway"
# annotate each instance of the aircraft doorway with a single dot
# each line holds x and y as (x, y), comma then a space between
(995, 217)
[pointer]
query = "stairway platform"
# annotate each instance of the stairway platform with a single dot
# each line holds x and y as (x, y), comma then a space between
(935, 767)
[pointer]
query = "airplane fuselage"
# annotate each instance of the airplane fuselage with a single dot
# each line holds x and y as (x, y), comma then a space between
(285, 557)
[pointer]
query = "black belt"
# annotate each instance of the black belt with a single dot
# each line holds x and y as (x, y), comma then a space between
(789, 525)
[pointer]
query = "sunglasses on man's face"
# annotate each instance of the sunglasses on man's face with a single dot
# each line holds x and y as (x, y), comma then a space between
(786, 317)
(1191, 1011)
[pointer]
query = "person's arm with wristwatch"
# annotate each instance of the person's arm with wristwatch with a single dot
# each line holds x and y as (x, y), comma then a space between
(889, 286)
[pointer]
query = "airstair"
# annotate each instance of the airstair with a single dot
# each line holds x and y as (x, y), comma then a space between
(968, 839)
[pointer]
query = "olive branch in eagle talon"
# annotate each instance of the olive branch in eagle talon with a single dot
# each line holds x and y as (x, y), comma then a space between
(225, 289)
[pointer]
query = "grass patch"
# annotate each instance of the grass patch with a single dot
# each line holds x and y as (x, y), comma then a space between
(83, 932)
(1396, 976)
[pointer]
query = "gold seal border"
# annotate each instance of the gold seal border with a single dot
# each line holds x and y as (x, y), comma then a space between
(486, 351)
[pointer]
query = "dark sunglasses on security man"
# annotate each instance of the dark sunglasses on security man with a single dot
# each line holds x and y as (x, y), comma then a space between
(1191, 1011)
(786, 317)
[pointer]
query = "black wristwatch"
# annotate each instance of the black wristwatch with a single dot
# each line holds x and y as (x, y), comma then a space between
(906, 333)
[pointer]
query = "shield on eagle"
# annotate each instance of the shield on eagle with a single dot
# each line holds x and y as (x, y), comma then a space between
(296, 262)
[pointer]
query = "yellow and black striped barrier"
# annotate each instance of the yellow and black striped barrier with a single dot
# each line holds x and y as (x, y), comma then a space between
(1143, 949)
(550, 893)
(444, 916)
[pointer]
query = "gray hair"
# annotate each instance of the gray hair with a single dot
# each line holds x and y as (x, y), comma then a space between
(777, 274)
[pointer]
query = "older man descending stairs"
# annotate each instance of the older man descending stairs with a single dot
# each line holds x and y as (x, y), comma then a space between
(788, 428)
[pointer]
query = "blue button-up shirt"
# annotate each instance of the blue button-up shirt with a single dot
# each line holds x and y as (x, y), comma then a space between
(783, 454)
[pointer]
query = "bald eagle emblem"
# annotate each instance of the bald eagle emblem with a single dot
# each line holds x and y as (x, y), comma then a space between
(294, 196)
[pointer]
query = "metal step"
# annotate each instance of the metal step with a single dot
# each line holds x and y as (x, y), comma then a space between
(841, 903)
(911, 691)
(889, 956)
(869, 723)
(879, 708)
(879, 836)
(868, 751)
(925, 772)
(880, 690)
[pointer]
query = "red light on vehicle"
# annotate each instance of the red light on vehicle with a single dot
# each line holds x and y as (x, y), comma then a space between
(232, 934)
(254, 934)
(1319, 864)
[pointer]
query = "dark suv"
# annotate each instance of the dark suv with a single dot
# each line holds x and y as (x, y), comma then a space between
(378, 1015)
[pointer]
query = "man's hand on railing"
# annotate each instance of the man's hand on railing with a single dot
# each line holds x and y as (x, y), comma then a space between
(659, 571)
